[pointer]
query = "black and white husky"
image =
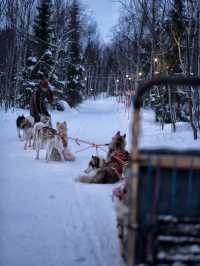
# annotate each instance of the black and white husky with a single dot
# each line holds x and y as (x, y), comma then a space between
(94, 164)
(19, 122)
(45, 121)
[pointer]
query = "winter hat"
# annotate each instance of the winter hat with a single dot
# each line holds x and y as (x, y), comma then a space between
(44, 83)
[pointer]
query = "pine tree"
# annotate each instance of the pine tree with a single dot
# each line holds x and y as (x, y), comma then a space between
(42, 32)
(74, 69)
(40, 58)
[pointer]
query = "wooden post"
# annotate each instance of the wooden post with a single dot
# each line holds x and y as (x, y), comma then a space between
(133, 189)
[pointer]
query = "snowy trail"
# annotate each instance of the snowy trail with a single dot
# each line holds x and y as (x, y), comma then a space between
(48, 219)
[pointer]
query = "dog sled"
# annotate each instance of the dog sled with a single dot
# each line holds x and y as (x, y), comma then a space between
(163, 225)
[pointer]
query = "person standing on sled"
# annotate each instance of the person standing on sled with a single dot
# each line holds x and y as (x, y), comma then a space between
(38, 100)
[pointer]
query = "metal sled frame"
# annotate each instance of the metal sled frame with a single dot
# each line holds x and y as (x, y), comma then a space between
(139, 159)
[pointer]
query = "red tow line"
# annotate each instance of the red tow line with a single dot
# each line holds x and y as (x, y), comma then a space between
(90, 145)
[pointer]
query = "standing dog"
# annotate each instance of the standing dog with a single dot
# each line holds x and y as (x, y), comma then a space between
(45, 121)
(55, 149)
(44, 135)
(19, 122)
(27, 126)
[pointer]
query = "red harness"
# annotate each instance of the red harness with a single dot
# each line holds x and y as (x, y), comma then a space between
(121, 159)
(64, 138)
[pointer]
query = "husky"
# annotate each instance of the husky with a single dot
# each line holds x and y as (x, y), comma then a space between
(94, 164)
(27, 127)
(19, 122)
(62, 132)
(118, 142)
(42, 136)
(55, 149)
(111, 171)
(45, 121)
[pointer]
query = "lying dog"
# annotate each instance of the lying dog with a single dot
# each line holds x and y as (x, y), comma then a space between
(94, 164)
(19, 121)
(27, 127)
(111, 171)
(62, 132)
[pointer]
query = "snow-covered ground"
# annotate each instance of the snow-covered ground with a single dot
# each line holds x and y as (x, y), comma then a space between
(48, 219)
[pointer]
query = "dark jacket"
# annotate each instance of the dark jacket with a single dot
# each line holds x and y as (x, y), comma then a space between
(38, 105)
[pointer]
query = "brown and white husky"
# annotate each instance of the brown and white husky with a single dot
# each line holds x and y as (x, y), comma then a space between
(27, 127)
(62, 132)
(112, 169)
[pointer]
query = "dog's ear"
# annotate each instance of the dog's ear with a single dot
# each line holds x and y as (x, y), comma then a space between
(65, 124)
(93, 157)
(118, 133)
(57, 124)
(124, 136)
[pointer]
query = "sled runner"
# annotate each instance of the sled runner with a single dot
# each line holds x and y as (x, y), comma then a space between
(164, 198)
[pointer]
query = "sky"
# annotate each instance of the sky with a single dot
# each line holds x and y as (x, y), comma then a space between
(105, 12)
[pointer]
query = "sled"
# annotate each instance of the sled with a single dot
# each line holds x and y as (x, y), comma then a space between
(164, 197)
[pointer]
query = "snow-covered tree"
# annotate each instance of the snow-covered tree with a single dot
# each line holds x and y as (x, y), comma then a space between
(40, 60)
(75, 69)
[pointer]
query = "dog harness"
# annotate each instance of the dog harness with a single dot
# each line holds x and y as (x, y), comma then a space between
(121, 158)
(63, 136)
(26, 124)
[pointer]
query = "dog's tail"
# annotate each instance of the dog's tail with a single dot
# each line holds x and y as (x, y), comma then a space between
(85, 179)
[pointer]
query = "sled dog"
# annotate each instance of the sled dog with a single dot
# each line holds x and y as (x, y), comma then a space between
(45, 121)
(55, 149)
(94, 164)
(19, 122)
(118, 143)
(27, 127)
(62, 132)
(111, 171)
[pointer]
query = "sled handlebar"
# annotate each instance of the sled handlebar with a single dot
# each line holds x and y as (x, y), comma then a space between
(170, 80)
